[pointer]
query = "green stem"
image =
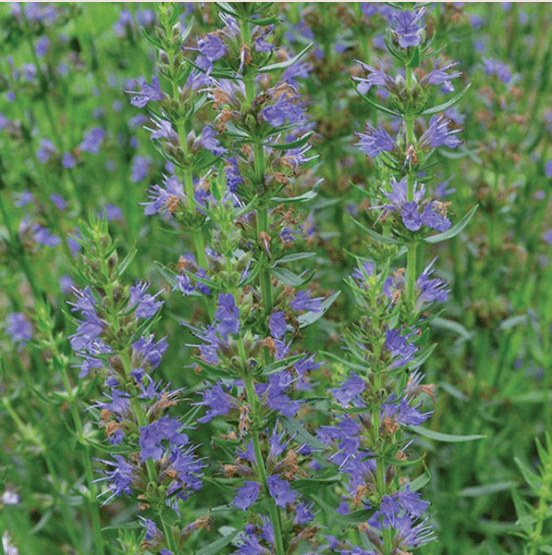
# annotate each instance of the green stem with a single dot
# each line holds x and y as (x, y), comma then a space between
(411, 269)
(81, 438)
(380, 484)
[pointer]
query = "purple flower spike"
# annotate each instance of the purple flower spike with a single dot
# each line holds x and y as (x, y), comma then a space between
(432, 289)
(439, 134)
(281, 491)
(277, 324)
(227, 314)
(285, 109)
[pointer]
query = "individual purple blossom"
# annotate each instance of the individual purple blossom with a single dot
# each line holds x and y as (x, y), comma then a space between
(280, 491)
(210, 141)
(498, 68)
(164, 130)
(218, 401)
(68, 161)
(548, 169)
(42, 46)
(349, 390)
(439, 76)
(406, 26)
(162, 197)
(120, 478)
(145, 18)
(247, 495)
(375, 141)
(91, 142)
(400, 347)
(23, 198)
(285, 109)
(211, 48)
(46, 152)
(227, 315)
(440, 134)
(232, 174)
(59, 201)
(140, 168)
(401, 412)
(151, 436)
(19, 328)
(146, 305)
(431, 289)
(43, 236)
(303, 513)
(302, 301)
(147, 93)
(277, 324)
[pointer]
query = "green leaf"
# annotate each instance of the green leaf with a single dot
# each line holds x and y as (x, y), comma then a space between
(289, 278)
(451, 102)
(293, 144)
(375, 235)
(351, 518)
(294, 257)
(513, 321)
(378, 106)
(534, 481)
(456, 327)
(312, 485)
(293, 428)
(218, 545)
(309, 195)
(523, 517)
(454, 230)
(126, 261)
(310, 317)
(287, 63)
(446, 438)
(485, 490)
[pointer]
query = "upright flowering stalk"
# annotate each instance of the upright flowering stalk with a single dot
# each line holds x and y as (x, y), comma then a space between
(152, 458)
(379, 395)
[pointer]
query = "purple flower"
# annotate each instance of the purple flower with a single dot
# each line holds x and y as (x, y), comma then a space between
(285, 109)
(146, 305)
(59, 201)
(400, 347)
(401, 412)
(19, 328)
(439, 134)
(218, 401)
(232, 174)
(147, 93)
(407, 28)
(42, 46)
(121, 476)
(303, 513)
(163, 199)
(375, 141)
(67, 160)
(431, 289)
(210, 141)
(548, 168)
(23, 198)
(376, 77)
(151, 436)
(277, 324)
(46, 151)
(498, 68)
(439, 76)
(211, 49)
(349, 390)
(247, 495)
(44, 237)
(91, 143)
(281, 491)
(227, 315)
(140, 168)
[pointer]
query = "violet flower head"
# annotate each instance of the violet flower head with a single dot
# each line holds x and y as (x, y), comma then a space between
(431, 289)
(91, 142)
(376, 77)
(146, 93)
(286, 109)
(280, 491)
(232, 174)
(375, 141)
(42, 46)
(402, 350)
(218, 401)
(440, 134)
(164, 199)
(277, 324)
(146, 305)
(19, 328)
(120, 478)
(408, 27)
(210, 141)
(247, 495)
(211, 49)
(227, 315)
